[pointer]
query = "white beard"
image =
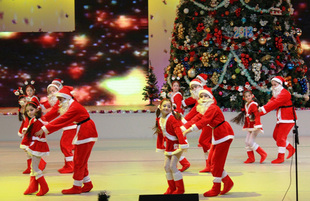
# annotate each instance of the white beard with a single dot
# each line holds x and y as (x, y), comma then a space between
(277, 90)
(203, 106)
(195, 93)
(52, 99)
(63, 107)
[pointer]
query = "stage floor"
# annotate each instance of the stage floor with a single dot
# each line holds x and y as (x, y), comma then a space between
(127, 168)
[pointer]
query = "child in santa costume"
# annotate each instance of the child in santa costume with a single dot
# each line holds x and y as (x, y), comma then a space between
(286, 117)
(70, 112)
(68, 133)
(22, 102)
(251, 119)
(222, 136)
(37, 147)
(205, 137)
(30, 91)
(176, 99)
(168, 130)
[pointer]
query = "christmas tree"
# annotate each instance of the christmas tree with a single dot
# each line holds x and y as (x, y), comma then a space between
(240, 45)
(151, 91)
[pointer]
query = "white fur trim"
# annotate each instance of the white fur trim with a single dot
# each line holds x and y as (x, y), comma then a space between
(194, 128)
(91, 139)
(217, 180)
(52, 85)
(228, 137)
(224, 174)
(86, 179)
(277, 80)
(44, 129)
(181, 158)
(78, 182)
(281, 150)
(69, 127)
(184, 121)
(183, 128)
(287, 142)
(69, 158)
(263, 109)
(183, 146)
(63, 95)
(255, 146)
(206, 92)
(194, 82)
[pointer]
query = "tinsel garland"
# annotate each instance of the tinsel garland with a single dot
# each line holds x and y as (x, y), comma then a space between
(223, 3)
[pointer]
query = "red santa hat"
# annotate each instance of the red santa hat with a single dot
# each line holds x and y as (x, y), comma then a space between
(203, 77)
(195, 81)
(52, 85)
(35, 101)
(58, 82)
(65, 92)
(279, 80)
(207, 90)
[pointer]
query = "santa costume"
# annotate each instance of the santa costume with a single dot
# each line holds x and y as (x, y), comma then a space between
(253, 125)
(206, 133)
(222, 136)
(67, 136)
(286, 117)
(84, 140)
(36, 147)
(171, 133)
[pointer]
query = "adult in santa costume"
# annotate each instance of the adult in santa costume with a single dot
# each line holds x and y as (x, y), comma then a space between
(70, 112)
(168, 130)
(205, 137)
(222, 136)
(69, 131)
(286, 117)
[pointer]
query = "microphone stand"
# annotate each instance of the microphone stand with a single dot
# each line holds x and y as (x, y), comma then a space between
(296, 142)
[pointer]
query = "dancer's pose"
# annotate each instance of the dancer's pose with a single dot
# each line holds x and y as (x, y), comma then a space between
(70, 112)
(168, 130)
(222, 136)
(36, 148)
(252, 124)
(281, 101)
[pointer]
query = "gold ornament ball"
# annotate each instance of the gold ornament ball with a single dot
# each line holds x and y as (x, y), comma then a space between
(247, 1)
(223, 59)
(191, 73)
(262, 40)
(231, 23)
(233, 76)
(299, 50)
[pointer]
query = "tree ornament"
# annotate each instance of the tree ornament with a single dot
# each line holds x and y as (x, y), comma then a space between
(247, 1)
(233, 76)
(220, 93)
(191, 73)
(262, 40)
(299, 50)
(298, 32)
(215, 77)
(290, 65)
(223, 59)
(186, 10)
(214, 3)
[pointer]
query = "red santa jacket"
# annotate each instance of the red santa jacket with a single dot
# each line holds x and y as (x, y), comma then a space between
(170, 133)
(250, 125)
(213, 117)
(176, 100)
(53, 114)
(86, 130)
(284, 106)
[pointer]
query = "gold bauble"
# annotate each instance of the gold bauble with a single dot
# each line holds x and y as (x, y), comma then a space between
(206, 44)
(231, 23)
(208, 30)
(191, 73)
(233, 76)
(247, 1)
(180, 75)
(262, 40)
(223, 59)
(299, 50)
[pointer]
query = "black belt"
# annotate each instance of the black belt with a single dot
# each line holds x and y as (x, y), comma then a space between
(286, 106)
(81, 122)
(219, 124)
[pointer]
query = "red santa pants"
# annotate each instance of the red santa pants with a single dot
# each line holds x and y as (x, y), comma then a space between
(81, 156)
(66, 145)
(281, 132)
(219, 156)
(205, 138)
